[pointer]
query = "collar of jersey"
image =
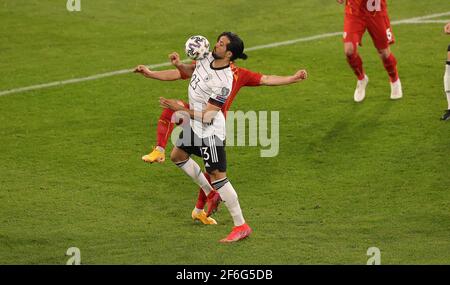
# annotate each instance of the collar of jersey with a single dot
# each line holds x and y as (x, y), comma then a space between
(220, 68)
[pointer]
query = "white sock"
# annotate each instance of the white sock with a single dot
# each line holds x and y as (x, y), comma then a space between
(230, 198)
(191, 168)
(197, 210)
(447, 82)
(161, 149)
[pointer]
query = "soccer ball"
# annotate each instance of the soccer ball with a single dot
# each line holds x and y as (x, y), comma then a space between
(197, 47)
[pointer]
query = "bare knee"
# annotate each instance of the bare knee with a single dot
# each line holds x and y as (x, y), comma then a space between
(384, 53)
(217, 175)
(178, 155)
(173, 157)
(349, 50)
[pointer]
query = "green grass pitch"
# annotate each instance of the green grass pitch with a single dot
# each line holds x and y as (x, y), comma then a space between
(348, 176)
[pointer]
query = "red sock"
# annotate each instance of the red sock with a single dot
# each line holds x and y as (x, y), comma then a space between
(165, 127)
(390, 64)
(201, 200)
(356, 64)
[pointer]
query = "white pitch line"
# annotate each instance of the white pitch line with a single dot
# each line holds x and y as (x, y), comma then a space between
(285, 43)
(429, 22)
(415, 20)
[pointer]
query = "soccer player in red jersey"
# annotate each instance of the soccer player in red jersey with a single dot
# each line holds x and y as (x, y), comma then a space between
(370, 15)
(241, 77)
(446, 115)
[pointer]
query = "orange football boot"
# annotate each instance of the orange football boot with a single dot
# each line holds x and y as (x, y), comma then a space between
(238, 233)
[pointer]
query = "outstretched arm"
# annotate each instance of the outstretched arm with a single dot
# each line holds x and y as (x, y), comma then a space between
(164, 75)
(183, 71)
(275, 80)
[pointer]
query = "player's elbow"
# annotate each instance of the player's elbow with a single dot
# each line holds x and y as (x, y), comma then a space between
(264, 80)
(273, 80)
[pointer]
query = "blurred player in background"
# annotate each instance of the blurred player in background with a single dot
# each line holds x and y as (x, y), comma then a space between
(370, 15)
(241, 77)
(446, 115)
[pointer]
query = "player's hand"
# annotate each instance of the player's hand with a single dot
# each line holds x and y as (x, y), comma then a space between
(175, 59)
(170, 104)
(447, 29)
(340, 1)
(300, 75)
(142, 69)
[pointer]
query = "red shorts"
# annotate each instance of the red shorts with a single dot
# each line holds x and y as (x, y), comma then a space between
(379, 28)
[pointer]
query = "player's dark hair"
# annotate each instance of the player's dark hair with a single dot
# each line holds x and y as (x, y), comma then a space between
(236, 45)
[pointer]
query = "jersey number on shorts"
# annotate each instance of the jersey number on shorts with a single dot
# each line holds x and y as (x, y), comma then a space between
(373, 5)
(205, 153)
(389, 34)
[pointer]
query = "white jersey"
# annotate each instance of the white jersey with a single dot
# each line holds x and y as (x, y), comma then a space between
(211, 85)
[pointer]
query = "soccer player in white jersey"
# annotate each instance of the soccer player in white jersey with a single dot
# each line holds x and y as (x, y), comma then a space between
(242, 77)
(210, 85)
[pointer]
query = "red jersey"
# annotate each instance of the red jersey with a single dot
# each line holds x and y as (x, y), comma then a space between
(241, 77)
(365, 7)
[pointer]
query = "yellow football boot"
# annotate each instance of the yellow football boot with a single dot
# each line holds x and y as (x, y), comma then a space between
(203, 218)
(155, 156)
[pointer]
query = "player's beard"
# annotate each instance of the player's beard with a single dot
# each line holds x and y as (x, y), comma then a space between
(215, 55)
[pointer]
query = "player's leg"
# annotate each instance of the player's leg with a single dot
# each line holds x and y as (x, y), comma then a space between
(446, 115)
(229, 196)
(182, 159)
(382, 36)
(354, 59)
(201, 199)
(164, 130)
(198, 213)
(390, 64)
(355, 62)
(180, 155)
(354, 28)
(214, 157)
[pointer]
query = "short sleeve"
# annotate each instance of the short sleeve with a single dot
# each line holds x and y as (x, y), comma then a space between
(219, 95)
(250, 78)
